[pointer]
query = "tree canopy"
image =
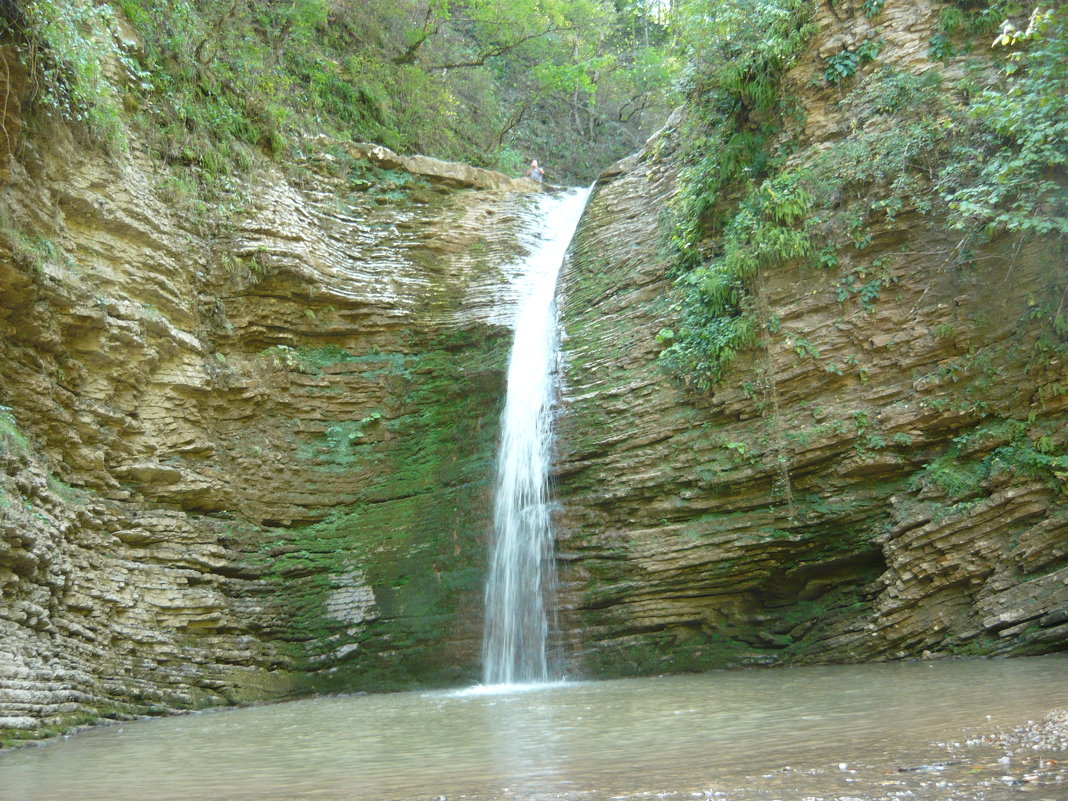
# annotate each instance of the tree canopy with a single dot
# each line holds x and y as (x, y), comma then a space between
(574, 83)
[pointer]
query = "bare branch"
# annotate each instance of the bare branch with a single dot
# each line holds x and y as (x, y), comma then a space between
(500, 50)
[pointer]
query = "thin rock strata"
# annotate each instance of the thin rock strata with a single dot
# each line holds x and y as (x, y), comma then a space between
(858, 485)
(252, 459)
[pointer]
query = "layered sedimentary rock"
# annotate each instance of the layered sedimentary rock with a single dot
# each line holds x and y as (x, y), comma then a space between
(249, 459)
(876, 479)
(248, 453)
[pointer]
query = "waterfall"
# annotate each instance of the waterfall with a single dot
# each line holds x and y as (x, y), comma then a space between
(521, 583)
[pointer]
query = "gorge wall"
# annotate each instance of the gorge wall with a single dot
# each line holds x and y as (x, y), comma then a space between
(248, 453)
(881, 476)
(252, 458)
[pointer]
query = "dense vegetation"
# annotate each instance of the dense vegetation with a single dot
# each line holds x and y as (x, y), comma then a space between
(217, 83)
(987, 154)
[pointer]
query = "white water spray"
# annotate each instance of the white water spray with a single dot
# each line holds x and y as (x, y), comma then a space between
(521, 583)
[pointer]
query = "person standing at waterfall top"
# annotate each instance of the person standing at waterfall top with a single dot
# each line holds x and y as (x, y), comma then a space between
(535, 172)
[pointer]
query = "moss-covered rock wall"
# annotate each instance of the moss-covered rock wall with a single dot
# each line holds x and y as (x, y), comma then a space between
(246, 453)
(880, 472)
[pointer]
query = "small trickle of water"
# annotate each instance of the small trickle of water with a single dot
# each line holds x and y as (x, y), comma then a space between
(520, 586)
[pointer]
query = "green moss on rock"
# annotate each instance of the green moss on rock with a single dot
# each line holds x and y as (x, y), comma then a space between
(384, 593)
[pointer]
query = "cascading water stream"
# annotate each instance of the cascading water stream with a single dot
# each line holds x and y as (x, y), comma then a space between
(521, 582)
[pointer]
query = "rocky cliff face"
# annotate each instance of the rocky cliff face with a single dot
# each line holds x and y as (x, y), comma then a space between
(250, 459)
(876, 479)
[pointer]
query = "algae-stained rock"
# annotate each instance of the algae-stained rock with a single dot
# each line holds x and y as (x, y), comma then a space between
(879, 476)
(245, 461)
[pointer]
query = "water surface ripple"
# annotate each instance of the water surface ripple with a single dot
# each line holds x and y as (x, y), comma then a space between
(858, 732)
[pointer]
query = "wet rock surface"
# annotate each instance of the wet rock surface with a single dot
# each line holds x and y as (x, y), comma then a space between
(857, 487)
(247, 460)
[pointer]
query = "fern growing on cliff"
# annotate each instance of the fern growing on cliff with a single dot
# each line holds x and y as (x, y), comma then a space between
(737, 54)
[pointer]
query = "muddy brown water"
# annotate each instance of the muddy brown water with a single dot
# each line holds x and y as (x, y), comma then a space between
(888, 731)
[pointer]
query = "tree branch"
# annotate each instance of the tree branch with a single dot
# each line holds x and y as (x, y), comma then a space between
(499, 50)
(515, 119)
(409, 55)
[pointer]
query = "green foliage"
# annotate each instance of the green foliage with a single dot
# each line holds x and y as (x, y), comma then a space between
(991, 157)
(70, 47)
(1039, 461)
(845, 63)
(29, 250)
(997, 163)
(840, 66)
(735, 65)
(866, 284)
(767, 229)
(954, 479)
(708, 344)
(1010, 173)
(720, 157)
(872, 8)
(891, 91)
(70, 496)
(323, 356)
(737, 448)
(868, 50)
(250, 269)
(976, 17)
(940, 48)
(951, 20)
(222, 83)
(472, 82)
(11, 439)
(307, 359)
(889, 157)
(803, 348)
(1004, 445)
(742, 48)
